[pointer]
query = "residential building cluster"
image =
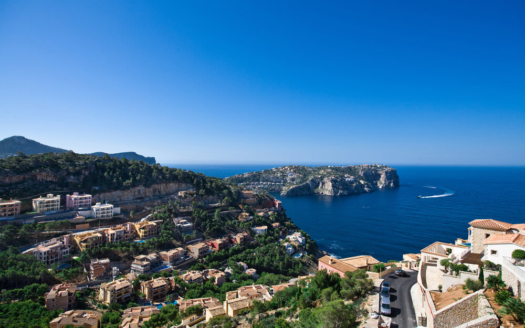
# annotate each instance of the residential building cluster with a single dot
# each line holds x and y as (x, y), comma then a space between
(488, 240)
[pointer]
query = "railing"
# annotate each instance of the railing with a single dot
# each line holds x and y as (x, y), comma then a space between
(516, 270)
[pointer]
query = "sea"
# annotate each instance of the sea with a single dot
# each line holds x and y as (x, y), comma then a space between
(389, 223)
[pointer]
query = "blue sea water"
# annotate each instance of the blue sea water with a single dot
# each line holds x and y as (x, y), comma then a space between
(386, 224)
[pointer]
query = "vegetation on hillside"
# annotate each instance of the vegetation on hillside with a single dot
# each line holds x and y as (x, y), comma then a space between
(98, 174)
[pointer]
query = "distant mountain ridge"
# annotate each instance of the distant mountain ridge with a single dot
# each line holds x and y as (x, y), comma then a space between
(10, 146)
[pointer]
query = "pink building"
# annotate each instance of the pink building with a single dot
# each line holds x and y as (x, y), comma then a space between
(76, 200)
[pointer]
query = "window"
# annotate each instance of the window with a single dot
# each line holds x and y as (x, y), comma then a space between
(493, 252)
(487, 235)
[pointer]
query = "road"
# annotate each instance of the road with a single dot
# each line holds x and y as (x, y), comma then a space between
(403, 314)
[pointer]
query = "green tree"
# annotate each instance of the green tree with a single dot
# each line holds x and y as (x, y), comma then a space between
(495, 282)
(515, 308)
(518, 254)
(481, 276)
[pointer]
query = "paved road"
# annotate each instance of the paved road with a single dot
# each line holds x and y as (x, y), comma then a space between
(403, 314)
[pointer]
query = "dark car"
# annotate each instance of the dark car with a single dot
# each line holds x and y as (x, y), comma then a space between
(386, 284)
(385, 292)
(401, 273)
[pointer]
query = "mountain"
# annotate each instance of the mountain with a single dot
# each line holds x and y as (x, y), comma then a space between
(129, 155)
(322, 180)
(10, 146)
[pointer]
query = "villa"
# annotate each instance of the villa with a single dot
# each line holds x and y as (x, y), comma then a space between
(260, 230)
(136, 316)
(350, 264)
(78, 318)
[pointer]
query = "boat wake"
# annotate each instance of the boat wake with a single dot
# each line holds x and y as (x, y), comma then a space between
(447, 192)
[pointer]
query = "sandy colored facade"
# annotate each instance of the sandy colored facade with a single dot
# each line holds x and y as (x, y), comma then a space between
(117, 291)
(61, 296)
(206, 302)
(198, 250)
(156, 289)
(78, 318)
(88, 240)
(136, 316)
(46, 204)
(351, 264)
(9, 208)
(147, 229)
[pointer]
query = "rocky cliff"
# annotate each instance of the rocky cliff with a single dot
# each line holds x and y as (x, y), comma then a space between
(325, 180)
(142, 193)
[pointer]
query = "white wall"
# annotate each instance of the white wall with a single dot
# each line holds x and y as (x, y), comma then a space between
(502, 249)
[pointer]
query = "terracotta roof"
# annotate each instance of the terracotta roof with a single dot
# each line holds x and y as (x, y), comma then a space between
(491, 224)
(240, 303)
(360, 261)
(514, 238)
(414, 257)
(281, 287)
(219, 310)
(337, 264)
(519, 226)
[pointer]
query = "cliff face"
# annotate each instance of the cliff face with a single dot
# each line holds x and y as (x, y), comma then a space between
(375, 180)
(142, 193)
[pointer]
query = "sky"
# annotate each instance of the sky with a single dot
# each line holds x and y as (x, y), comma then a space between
(288, 82)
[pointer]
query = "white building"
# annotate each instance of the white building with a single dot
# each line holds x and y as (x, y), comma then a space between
(260, 230)
(499, 246)
(102, 211)
(46, 204)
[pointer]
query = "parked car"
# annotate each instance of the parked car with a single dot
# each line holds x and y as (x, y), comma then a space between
(386, 284)
(385, 306)
(401, 273)
(385, 292)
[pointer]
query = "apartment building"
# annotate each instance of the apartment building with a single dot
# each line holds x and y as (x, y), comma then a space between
(78, 201)
(136, 316)
(9, 208)
(88, 240)
(102, 211)
(172, 256)
(78, 318)
(98, 268)
(239, 238)
(62, 297)
(243, 298)
(183, 225)
(121, 232)
(155, 289)
(117, 291)
(260, 230)
(218, 276)
(145, 263)
(52, 251)
(206, 302)
(46, 204)
(218, 244)
(192, 277)
(147, 229)
(198, 250)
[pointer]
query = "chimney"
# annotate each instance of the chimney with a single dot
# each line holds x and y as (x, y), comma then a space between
(330, 262)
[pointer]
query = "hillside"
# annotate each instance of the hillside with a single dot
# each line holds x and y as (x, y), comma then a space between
(323, 180)
(129, 155)
(28, 175)
(12, 145)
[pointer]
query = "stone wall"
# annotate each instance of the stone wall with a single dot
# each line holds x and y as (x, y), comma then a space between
(513, 282)
(451, 280)
(478, 236)
(472, 311)
(140, 192)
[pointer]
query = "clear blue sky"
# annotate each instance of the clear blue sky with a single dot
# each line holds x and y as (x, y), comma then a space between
(394, 82)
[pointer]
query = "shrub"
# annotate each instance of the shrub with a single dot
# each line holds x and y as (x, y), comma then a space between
(515, 308)
(502, 296)
(448, 251)
(518, 254)
(379, 267)
(495, 282)
(491, 266)
(481, 276)
(473, 285)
